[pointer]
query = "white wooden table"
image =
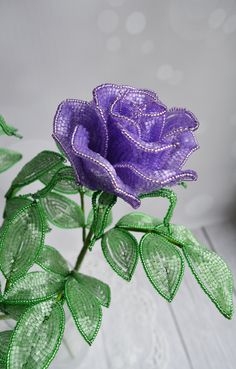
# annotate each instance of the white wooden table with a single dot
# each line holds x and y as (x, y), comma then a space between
(142, 331)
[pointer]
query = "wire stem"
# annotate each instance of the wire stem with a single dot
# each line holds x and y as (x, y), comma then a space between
(155, 230)
(83, 250)
(83, 209)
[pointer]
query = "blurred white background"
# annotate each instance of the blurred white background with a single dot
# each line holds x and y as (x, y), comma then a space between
(183, 49)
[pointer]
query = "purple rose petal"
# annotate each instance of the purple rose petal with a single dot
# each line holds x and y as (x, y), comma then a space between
(125, 141)
(178, 155)
(144, 180)
(96, 172)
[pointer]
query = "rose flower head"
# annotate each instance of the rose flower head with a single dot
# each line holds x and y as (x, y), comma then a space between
(125, 141)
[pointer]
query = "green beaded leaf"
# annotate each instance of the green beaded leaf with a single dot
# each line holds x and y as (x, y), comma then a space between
(34, 287)
(174, 234)
(63, 175)
(85, 309)
(211, 272)
(5, 129)
(67, 184)
(61, 211)
(37, 337)
(14, 311)
(22, 237)
(5, 337)
(138, 221)
(14, 204)
(52, 261)
(102, 205)
(90, 220)
(35, 169)
(97, 288)
(47, 225)
(120, 249)
(8, 158)
(162, 263)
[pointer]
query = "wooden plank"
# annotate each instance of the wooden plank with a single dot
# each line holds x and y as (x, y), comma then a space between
(208, 336)
(222, 238)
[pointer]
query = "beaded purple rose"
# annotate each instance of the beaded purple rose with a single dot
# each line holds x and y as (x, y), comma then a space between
(125, 141)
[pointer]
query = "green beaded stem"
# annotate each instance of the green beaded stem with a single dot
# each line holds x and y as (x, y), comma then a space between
(94, 201)
(165, 193)
(62, 174)
(162, 231)
(89, 221)
(98, 233)
(66, 181)
(106, 214)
